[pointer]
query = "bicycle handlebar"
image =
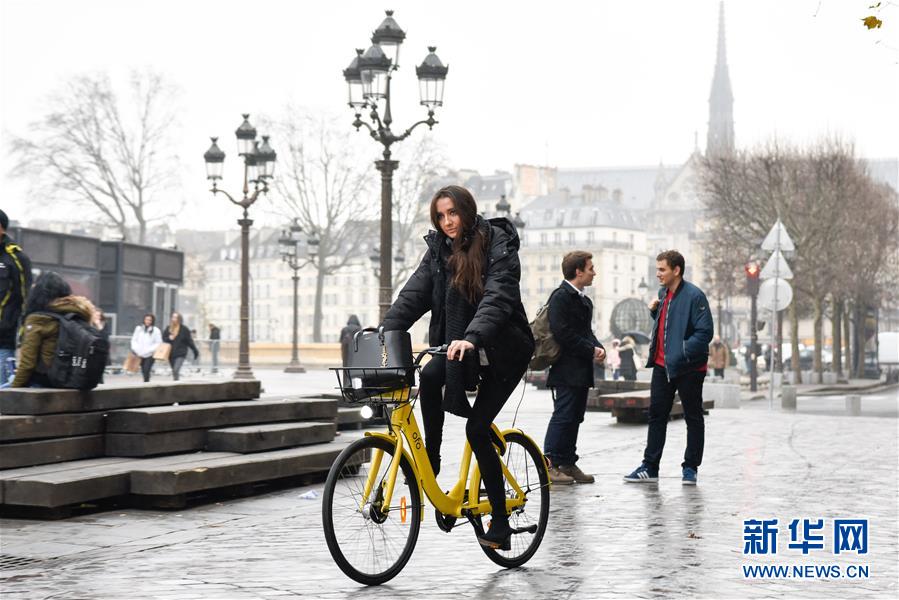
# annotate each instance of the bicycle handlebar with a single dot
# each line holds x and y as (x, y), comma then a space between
(433, 351)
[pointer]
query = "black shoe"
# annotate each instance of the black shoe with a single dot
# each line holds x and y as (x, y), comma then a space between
(499, 537)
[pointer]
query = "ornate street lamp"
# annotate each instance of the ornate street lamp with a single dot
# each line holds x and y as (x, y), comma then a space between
(259, 166)
(503, 207)
(368, 79)
(288, 245)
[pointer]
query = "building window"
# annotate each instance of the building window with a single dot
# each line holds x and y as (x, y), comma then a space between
(571, 237)
(614, 285)
(542, 239)
(591, 237)
(557, 237)
(630, 239)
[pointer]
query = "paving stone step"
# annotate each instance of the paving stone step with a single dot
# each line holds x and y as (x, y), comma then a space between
(39, 401)
(39, 452)
(27, 427)
(269, 436)
(154, 444)
(81, 481)
(216, 470)
(156, 419)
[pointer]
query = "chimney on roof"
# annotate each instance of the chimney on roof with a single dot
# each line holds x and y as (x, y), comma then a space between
(564, 194)
(602, 194)
(616, 195)
(590, 194)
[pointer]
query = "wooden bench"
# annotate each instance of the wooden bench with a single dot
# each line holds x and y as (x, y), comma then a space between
(597, 399)
(633, 407)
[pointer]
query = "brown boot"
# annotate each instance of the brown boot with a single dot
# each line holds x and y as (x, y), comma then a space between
(559, 477)
(576, 474)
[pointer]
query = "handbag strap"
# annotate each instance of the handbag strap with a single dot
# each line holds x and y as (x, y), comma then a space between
(379, 330)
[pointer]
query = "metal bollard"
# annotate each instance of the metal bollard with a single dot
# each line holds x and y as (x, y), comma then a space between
(788, 397)
(854, 405)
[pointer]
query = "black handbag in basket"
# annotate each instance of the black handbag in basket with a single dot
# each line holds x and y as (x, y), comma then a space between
(381, 359)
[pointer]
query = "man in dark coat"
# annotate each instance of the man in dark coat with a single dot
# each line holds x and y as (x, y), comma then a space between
(15, 282)
(571, 376)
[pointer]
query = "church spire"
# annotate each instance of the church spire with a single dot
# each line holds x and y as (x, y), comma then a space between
(720, 138)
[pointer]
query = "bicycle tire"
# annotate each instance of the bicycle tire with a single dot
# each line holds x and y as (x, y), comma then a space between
(350, 470)
(521, 451)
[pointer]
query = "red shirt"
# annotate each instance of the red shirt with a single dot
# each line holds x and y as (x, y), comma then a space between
(660, 336)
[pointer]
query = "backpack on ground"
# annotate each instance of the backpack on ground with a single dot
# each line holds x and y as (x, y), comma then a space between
(81, 354)
(546, 349)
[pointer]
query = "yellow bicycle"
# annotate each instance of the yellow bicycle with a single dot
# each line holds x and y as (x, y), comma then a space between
(372, 513)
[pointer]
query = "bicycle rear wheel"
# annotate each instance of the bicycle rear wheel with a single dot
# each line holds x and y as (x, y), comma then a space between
(525, 462)
(370, 545)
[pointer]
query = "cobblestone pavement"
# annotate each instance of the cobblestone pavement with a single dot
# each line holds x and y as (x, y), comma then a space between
(609, 539)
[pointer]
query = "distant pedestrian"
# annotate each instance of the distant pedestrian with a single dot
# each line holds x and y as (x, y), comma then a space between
(144, 342)
(572, 375)
(678, 355)
(613, 359)
(719, 356)
(15, 281)
(179, 337)
(346, 337)
(626, 351)
(215, 337)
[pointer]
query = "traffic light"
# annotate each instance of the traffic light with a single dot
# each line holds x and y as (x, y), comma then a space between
(752, 278)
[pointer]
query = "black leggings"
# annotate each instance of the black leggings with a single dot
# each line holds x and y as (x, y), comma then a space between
(146, 366)
(492, 395)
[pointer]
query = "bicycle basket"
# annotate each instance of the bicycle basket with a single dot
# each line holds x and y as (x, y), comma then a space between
(386, 385)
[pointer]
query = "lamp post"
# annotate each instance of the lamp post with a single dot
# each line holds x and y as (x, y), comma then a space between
(289, 248)
(752, 288)
(368, 78)
(503, 208)
(259, 168)
(375, 258)
(644, 289)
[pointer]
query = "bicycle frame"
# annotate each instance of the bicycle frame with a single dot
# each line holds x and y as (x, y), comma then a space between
(403, 425)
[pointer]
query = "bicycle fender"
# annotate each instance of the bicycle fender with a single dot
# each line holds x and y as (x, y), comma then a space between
(421, 491)
(531, 440)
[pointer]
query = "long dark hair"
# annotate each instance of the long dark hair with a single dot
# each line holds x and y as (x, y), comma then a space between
(467, 260)
(152, 321)
(48, 287)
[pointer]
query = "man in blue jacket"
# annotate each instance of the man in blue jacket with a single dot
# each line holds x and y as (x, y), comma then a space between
(678, 356)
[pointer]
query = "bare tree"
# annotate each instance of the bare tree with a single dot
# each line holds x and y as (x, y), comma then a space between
(326, 184)
(840, 220)
(104, 153)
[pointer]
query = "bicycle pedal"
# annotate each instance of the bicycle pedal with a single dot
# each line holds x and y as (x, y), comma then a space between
(506, 545)
(528, 529)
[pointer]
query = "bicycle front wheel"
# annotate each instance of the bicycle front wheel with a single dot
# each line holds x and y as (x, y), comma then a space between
(525, 463)
(369, 541)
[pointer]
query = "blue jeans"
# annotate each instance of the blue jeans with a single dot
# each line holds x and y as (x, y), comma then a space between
(689, 387)
(569, 405)
(5, 372)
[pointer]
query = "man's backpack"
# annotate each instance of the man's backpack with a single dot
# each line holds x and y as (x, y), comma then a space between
(546, 349)
(81, 354)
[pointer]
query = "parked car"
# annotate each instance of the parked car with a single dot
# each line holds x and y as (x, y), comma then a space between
(806, 358)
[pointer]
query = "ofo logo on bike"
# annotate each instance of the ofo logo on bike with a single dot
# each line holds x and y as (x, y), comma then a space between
(847, 537)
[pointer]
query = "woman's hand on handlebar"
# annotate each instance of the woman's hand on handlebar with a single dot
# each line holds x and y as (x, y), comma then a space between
(458, 348)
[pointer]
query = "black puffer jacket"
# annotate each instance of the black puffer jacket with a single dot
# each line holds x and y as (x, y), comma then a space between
(500, 324)
(570, 318)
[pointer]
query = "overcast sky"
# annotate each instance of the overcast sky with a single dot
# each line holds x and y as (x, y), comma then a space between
(571, 84)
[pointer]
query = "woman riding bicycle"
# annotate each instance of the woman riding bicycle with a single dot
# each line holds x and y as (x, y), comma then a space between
(469, 280)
